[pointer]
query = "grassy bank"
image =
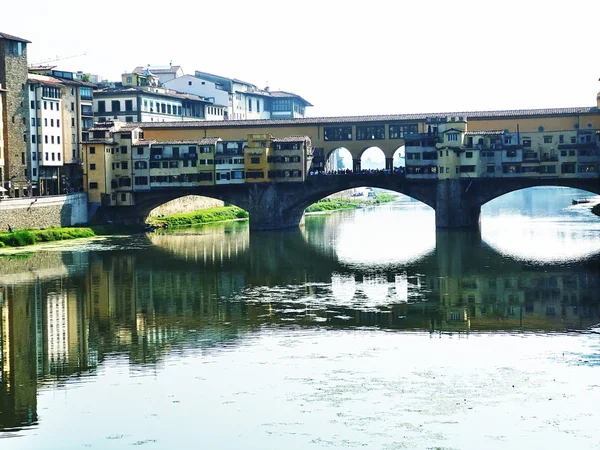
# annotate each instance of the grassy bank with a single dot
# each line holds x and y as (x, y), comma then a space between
(596, 209)
(202, 216)
(21, 238)
(335, 204)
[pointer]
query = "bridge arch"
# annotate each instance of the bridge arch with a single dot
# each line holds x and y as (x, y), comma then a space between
(372, 158)
(398, 157)
(487, 190)
(338, 158)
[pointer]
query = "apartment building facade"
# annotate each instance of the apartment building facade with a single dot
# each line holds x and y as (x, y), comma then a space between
(45, 154)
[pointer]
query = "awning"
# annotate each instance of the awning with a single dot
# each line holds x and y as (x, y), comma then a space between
(3, 189)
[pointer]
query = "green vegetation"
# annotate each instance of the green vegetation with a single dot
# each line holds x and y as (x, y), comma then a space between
(335, 204)
(202, 216)
(596, 209)
(21, 238)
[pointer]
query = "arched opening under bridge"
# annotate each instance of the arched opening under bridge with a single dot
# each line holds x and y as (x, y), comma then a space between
(543, 224)
(185, 204)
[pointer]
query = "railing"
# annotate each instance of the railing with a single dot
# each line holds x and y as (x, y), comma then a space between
(577, 145)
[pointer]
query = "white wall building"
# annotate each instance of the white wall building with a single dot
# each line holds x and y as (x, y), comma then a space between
(149, 104)
(46, 131)
(229, 162)
(203, 88)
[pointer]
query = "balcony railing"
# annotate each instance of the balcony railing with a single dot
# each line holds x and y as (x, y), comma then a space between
(577, 145)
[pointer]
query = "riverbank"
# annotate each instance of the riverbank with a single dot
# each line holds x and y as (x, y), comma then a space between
(22, 238)
(210, 215)
(337, 204)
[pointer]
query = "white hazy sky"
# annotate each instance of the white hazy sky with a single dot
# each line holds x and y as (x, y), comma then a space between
(345, 57)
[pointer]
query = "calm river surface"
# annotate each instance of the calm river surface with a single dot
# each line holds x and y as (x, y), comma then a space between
(364, 329)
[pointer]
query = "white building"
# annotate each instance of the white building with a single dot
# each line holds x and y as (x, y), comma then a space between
(202, 88)
(150, 104)
(247, 102)
(229, 162)
(46, 130)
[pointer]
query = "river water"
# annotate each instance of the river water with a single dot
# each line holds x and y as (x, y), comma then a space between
(364, 329)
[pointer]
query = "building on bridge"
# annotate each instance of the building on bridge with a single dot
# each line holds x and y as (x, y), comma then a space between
(449, 150)
(119, 162)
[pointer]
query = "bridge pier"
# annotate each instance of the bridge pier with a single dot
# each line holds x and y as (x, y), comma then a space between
(454, 207)
(271, 206)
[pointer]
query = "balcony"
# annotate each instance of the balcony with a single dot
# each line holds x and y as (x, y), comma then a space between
(577, 145)
(87, 111)
(530, 157)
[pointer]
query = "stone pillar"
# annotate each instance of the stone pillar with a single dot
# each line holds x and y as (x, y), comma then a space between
(272, 206)
(389, 164)
(356, 165)
(454, 208)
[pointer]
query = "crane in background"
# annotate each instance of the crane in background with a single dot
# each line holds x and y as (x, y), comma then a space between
(58, 58)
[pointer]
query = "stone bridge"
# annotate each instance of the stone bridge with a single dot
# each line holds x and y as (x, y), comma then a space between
(457, 203)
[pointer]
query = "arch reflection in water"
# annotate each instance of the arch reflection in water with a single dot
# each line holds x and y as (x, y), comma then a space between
(542, 224)
(397, 233)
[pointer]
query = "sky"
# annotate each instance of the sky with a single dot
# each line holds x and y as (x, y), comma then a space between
(345, 57)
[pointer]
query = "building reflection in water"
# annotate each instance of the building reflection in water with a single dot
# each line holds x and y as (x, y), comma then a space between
(211, 289)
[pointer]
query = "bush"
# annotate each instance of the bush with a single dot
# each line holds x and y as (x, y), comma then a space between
(29, 237)
(18, 238)
(202, 216)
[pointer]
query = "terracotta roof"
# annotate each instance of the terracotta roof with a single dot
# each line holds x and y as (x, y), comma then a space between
(44, 79)
(484, 133)
(10, 37)
(128, 127)
(111, 126)
(203, 141)
(372, 119)
(291, 139)
(100, 141)
(40, 67)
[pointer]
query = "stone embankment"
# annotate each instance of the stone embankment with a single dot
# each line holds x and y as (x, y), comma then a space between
(43, 212)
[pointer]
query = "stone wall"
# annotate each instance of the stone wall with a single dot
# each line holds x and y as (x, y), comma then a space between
(16, 113)
(43, 212)
(185, 204)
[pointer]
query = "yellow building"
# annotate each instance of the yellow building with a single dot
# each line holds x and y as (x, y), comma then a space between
(256, 157)
(107, 167)
(181, 163)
